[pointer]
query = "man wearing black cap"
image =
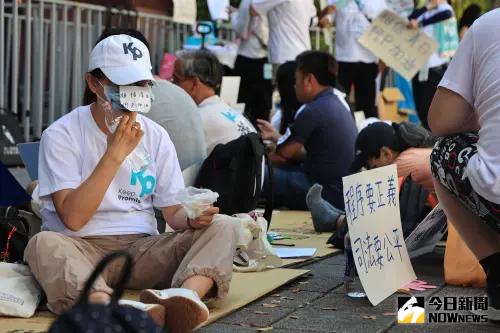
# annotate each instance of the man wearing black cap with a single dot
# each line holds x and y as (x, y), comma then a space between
(377, 145)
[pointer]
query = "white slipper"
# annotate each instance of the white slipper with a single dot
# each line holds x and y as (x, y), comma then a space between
(184, 310)
(155, 311)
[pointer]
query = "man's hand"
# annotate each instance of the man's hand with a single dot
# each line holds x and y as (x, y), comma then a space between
(267, 131)
(126, 138)
(205, 219)
(412, 24)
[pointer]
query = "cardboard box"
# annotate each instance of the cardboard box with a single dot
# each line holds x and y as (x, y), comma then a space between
(388, 106)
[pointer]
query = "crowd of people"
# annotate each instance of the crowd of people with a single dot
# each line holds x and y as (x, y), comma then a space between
(313, 142)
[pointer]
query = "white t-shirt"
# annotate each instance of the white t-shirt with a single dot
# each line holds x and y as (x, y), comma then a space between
(253, 31)
(474, 74)
(70, 150)
(221, 123)
(351, 23)
(289, 22)
(435, 60)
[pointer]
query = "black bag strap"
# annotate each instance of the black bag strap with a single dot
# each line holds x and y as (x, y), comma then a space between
(268, 210)
(124, 276)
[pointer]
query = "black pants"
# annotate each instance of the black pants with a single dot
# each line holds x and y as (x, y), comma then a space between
(363, 76)
(424, 92)
(255, 91)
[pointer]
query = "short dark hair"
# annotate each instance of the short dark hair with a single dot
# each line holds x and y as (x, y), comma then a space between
(320, 64)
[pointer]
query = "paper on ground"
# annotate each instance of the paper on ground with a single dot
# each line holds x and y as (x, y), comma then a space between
(287, 253)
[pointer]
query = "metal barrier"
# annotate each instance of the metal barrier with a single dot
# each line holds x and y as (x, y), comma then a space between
(44, 51)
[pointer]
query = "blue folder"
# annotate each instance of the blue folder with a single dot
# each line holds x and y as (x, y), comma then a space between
(29, 155)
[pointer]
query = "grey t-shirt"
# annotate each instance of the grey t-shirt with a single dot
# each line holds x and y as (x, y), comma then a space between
(176, 111)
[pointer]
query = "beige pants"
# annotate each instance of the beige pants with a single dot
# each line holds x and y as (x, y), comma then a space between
(62, 264)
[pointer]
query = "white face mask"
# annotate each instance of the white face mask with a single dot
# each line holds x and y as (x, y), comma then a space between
(135, 98)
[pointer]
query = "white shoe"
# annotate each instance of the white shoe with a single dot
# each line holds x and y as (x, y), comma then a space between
(155, 311)
(184, 310)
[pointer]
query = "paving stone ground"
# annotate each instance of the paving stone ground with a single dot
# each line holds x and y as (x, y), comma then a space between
(307, 305)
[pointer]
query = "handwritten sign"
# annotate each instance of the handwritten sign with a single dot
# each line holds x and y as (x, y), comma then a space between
(379, 250)
(404, 50)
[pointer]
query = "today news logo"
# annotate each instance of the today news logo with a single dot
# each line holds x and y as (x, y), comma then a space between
(449, 309)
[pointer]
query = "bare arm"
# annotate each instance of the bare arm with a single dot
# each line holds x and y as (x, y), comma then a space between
(287, 152)
(450, 114)
(68, 202)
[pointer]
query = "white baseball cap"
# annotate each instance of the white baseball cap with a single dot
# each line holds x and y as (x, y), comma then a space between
(123, 59)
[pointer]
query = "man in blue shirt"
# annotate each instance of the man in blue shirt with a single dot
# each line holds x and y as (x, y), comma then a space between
(319, 146)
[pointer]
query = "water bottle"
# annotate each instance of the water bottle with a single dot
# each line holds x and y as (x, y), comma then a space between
(353, 287)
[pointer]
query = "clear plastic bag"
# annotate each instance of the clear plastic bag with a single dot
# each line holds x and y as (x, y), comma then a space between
(195, 200)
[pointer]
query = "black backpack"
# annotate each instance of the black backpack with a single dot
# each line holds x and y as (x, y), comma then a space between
(14, 235)
(113, 317)
(234, 170)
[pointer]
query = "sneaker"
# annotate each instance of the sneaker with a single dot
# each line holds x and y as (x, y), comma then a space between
(183, 307)
(155, 311)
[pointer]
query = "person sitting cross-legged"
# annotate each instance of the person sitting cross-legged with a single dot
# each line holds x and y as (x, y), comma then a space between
(96, 200)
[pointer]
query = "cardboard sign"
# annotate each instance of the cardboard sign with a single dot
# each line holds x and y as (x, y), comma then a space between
(404, 50)
(372, 210)
(185, 11)
(427, 234)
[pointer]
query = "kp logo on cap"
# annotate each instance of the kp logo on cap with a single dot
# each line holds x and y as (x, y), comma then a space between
(411, 310)
(136, 52)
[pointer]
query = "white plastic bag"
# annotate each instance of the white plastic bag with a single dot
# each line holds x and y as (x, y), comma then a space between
(19, 291)
(252, 245)
(195, 201)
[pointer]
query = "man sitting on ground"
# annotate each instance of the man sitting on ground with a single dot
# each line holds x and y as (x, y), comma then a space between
(199, 73)
(320, 144)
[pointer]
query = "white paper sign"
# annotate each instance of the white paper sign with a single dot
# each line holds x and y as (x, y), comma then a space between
(404, 50)
(135, 98)
(372, 210)
(229, 89)
(218, 9)
(185, 11)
